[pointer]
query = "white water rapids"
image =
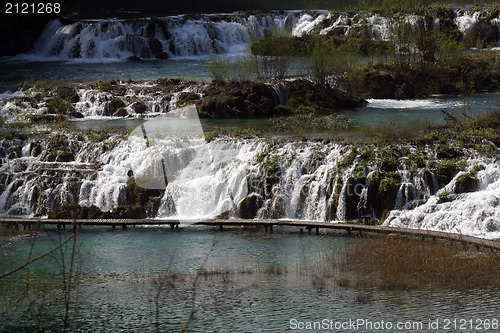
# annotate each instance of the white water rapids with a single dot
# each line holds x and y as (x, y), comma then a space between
(298, 180)
(202, 35)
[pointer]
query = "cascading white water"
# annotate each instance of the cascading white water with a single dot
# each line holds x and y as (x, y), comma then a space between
(292, 180)
(204, 179)
(30, 185)
(476, 213)
(177, 36)
(184, 36)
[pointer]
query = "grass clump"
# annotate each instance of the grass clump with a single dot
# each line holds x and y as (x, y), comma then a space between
(303, 123)
(399, 263)
(240, 134)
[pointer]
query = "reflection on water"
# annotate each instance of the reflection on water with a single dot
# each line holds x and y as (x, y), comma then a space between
(275, 278)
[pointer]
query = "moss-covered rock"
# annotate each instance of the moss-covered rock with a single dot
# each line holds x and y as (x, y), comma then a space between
(126, 212)
(136, 195)
(121, 112)
(248, 207)
(187, 97)
(112, 106)
(67, 92)
(387, 193)
(139, 107)
(75, 211)
(445, 170)
(352, 195)
(237, 99)
(482, 34)
(466, 183)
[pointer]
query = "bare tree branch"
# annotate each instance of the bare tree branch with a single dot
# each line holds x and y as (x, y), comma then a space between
(29, 262)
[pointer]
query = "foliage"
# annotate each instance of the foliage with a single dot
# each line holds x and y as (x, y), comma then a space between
(310, 122)
(224, 68)
(61, 105)
(239, 134)
(326, 67)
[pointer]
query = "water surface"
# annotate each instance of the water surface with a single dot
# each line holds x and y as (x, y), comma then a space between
(275, 278)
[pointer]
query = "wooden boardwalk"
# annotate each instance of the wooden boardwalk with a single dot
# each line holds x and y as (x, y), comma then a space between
(352, 229)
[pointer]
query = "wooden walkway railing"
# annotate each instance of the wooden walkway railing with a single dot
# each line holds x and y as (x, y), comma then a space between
(29, 223)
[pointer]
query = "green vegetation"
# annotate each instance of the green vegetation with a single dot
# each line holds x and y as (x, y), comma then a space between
(242, 68)
(415, 62)
(306, 123)
(239, 99)
(240, 134)
(187, 98)
(463, 74)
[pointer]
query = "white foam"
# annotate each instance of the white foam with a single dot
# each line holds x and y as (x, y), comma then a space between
(411, 103)
(465, 21)
(475, 214)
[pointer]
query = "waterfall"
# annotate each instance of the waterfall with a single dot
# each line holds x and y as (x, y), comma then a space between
(176, 36)
(202, 35)
(280, 91)
(258, 178)
(476, 213)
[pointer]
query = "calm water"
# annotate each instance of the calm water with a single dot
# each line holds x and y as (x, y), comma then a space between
(15, 71)
(279, 278)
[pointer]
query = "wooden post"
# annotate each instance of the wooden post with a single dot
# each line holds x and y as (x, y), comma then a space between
(271, 228)
(317, 230)
(114, 227)
(301, 230)
(124, 226)
(221, 226)
(308, 230)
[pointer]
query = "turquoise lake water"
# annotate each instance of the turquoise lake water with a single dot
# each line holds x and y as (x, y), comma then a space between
(277, 281)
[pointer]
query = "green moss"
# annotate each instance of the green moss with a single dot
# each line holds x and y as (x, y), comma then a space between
(444, 197)
(187, 98)
(121, 112)
(387, 159)
(239, 134)
(104, 85)
(417, 159)
(445, 170)
(60, 105)
(114, 106)
(348, 160)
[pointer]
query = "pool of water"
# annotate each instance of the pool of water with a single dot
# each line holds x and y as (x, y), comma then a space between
(13, 71)
(253, 281)
(422, 111)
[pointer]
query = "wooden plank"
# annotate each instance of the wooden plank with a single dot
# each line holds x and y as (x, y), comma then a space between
(476, 241)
